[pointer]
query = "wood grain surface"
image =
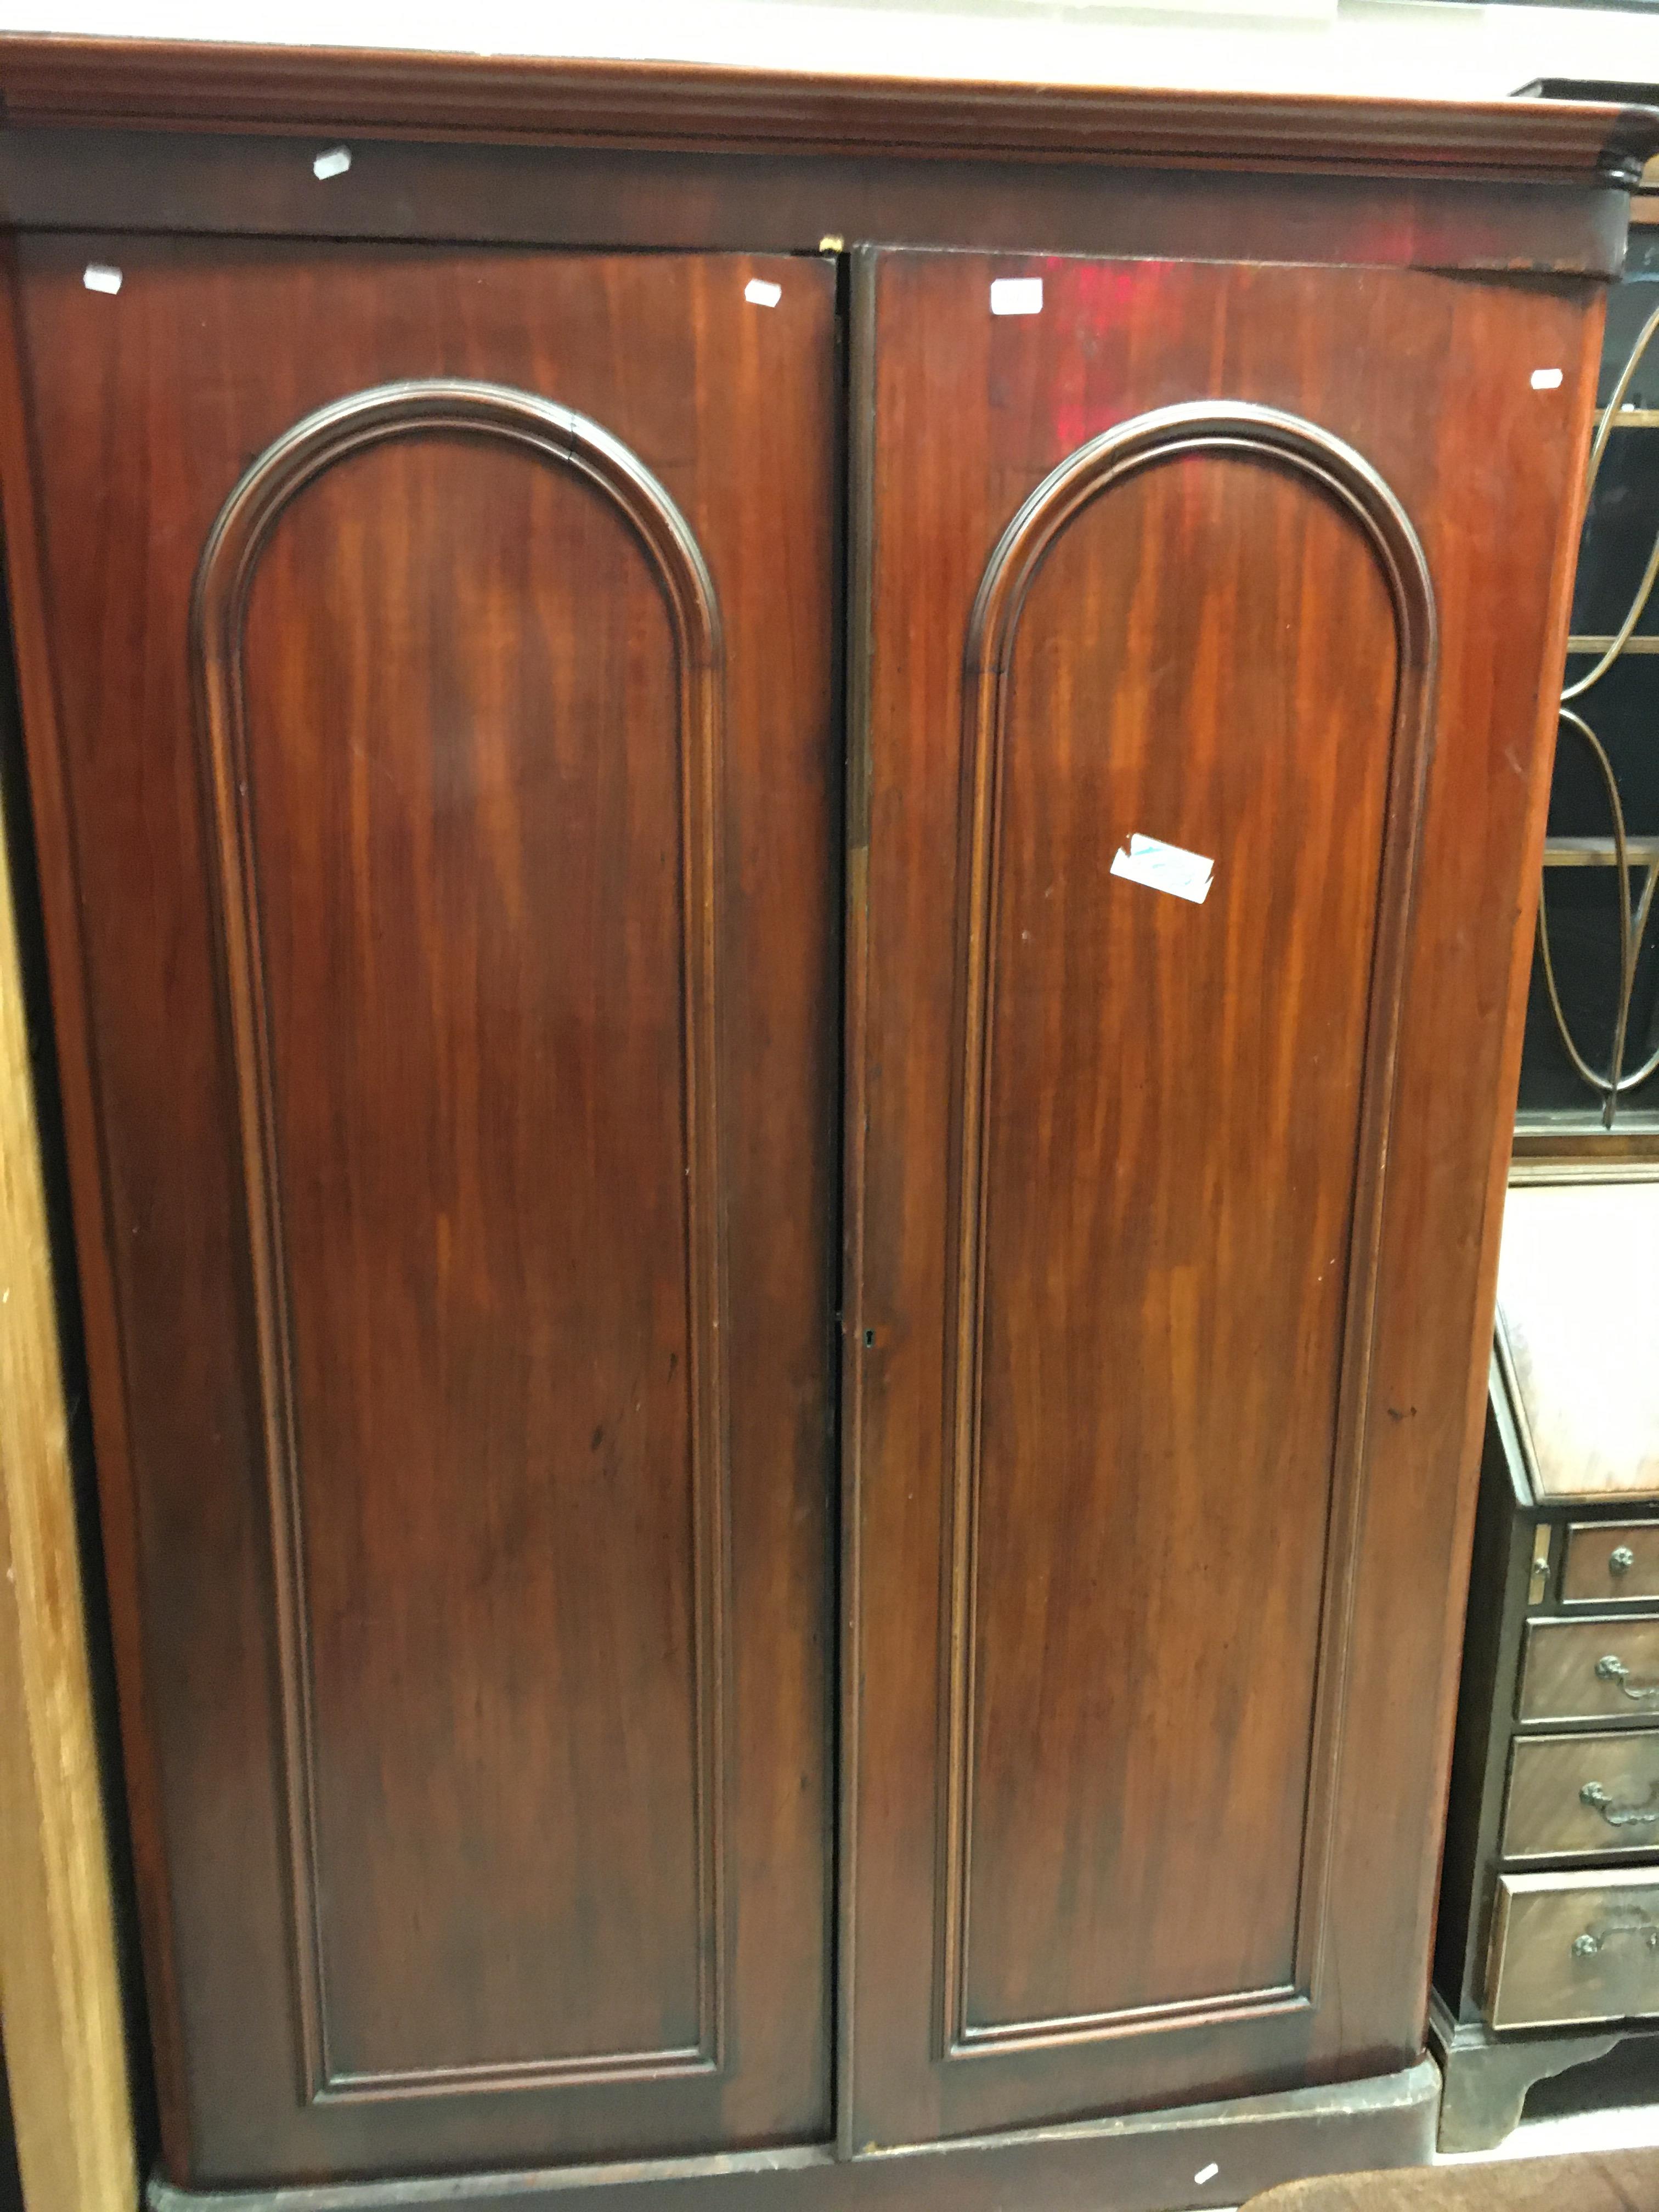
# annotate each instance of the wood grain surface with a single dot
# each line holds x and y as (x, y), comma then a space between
(1548, 1816)
(1107, 1028)
(462, 1025)
(591, 196)
(1589, 1670)
(1611, 1563)
(1572, 1948)
(1578, 1318)
(444, 955)
(69, 2110)
(1144, 2162)
(550, 100)
(1184, 1592)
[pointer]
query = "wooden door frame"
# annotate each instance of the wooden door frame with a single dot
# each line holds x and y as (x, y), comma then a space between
(60, 1988)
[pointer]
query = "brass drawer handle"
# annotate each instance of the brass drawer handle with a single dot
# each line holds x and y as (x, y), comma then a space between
(1613, 1669)
(1621, 1560)
(1591, 1942)
(1620, 1816)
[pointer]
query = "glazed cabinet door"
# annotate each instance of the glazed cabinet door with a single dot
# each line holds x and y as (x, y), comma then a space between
(438, 833)
(1172, 1231)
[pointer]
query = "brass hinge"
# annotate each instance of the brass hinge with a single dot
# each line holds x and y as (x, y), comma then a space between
(1541, 1564)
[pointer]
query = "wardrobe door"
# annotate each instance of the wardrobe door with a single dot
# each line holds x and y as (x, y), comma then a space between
(1171, 1243)
(442, 865)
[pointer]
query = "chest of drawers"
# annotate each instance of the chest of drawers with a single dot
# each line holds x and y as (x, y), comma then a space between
(1548, 1949)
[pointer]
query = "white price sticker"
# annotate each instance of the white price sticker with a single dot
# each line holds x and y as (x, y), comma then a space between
(1164, 868)
(1016, 296)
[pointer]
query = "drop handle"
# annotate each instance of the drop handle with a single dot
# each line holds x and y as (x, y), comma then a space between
(1593, 1940)
(1613, 1669)
(1620, 1816)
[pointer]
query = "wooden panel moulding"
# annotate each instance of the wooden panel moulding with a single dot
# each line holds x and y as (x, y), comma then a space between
(672, 105)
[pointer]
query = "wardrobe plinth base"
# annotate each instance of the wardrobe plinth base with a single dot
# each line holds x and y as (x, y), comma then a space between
(1190, 2155)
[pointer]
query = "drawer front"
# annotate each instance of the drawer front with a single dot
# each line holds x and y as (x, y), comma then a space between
(1572, 1948)
(1611, 1563)
(1591, 1670)
(1574, 1797)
